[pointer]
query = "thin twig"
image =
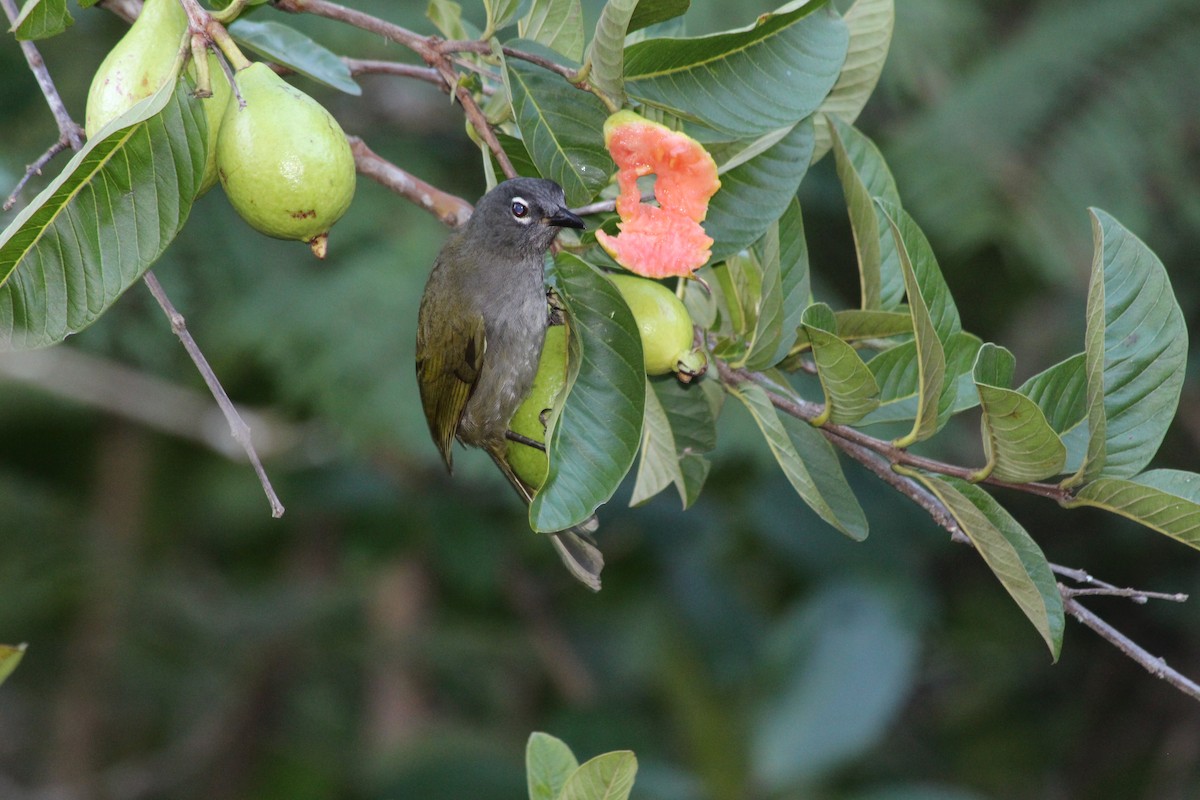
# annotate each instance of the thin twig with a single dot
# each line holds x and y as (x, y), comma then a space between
(366, 66)
(451, 210)
(237, 426)
(1155, 665)
(70, 134)
(1102, 588)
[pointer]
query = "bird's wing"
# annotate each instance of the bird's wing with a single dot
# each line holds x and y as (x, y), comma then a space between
(447, 375)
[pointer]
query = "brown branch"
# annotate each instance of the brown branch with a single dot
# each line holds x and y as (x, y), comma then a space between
(1155, 665)
(364, 66)
(1099, 587)
(35, 169)
(237, 426)
(451, 210)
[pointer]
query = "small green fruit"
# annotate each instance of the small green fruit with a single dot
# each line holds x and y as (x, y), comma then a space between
(137, 65)
(665, 326)
(283, 160)
(530, 463)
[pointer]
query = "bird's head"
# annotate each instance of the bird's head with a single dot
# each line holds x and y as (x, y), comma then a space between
(523, 214)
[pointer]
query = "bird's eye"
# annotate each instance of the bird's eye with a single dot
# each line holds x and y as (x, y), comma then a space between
(519, 209)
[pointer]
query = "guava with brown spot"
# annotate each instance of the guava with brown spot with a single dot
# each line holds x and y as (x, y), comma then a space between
(284, 161)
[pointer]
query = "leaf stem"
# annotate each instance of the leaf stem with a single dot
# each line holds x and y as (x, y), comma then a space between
(237, 426)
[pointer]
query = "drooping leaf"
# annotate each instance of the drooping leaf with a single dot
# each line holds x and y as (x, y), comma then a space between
(557, 24)
(10, 657)
(563, 129)
(288, 47)
(606, 53)
(794, 281)
(864, 175)
(596, 435)
(1135, 350)
(850, 389)
(606, 777)
(691, 410)
(855, 324)
(870, 23)
(934, 319)
(658, 464)
(768, 312)
(100, 224)
(41, 19)
(1011, 554)
(754, 194)
(1018, 442)
(896, 372)
(1164, 500)
(548, 765)
(807, 461)
(792, 57)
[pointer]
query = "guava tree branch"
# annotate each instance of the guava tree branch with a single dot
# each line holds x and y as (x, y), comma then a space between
(70, 134)
(879, 457)
(451, 210)
(237, 426)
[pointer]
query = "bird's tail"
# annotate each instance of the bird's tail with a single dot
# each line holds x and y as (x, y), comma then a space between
(575, 545)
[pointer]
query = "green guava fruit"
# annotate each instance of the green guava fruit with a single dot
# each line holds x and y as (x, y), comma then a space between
(137, 65)
(283, 160)
(667, 239)
(665, 327)
(529, 463)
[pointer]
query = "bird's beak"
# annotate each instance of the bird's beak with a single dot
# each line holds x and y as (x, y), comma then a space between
(564, 218)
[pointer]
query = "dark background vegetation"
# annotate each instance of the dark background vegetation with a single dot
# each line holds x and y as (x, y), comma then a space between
(398, 634)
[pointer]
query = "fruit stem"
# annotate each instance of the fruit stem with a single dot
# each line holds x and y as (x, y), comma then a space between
(230, 12)
(200, 60)
(223, 40)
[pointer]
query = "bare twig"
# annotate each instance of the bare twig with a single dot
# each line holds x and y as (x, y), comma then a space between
(363, 66)
(451, 210)
(1155, 665)
(237, 426)
(70, 134)
(1101, 588)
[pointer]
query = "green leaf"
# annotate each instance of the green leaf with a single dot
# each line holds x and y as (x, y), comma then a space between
(289, 47)
(1164, 500)
(9, 658)
(768, 311)
(934, 319)
(807, 461)
(557, 24)
(794, 281)
(446, 16)
(548, 765)
(605, 777)
(99, 225)
(596, 435)
(870, 23)
(658, 464)
(857, 325)
(850, 389)
(563, 129)
(864, 175)
(1136, 353)
(1008, 550)
(41, 19)
(606, 53)
(754, 194)
(1018, 442)
(1061, 393)
(686, 415)
(499, 14)
(896, 372)
(745, 82)
(652, 12)
(739, 291)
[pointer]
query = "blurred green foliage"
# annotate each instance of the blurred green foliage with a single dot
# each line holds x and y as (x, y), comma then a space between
(398, 634)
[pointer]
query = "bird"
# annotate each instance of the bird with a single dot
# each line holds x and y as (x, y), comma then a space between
(480, 329)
